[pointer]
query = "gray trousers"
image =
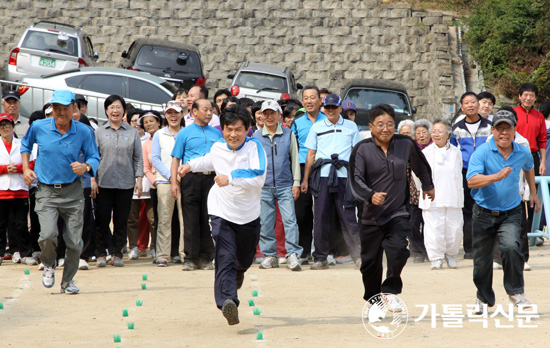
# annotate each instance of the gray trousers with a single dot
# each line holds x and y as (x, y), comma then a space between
(66, 202)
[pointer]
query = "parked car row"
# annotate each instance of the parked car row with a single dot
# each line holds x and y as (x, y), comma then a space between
(52, 56)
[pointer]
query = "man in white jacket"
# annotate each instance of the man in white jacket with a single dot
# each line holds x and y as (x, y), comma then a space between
(233, 204)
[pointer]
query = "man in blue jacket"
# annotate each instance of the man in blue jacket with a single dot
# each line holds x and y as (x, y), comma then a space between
(282, 185)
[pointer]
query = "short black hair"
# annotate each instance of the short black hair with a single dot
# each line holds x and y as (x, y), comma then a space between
(131, 112)
(467, 94)
(203, 91)
(196, 103)
(180, 91)
(246, 102)
(487, 95)
(36, 115)
(325, 91)
(234, 113)
(221, 92)
(230, 99)
(255, 107)
(528, 87)
(215, 107)
(545, 109)
(113, 98)
(312, 87)
(379, 110)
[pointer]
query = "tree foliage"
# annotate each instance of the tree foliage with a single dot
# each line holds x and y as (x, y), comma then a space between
(510, 39)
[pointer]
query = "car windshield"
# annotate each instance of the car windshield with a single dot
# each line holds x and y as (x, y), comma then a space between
(51, 42)
(168, 59)
(365, 99)
(259, 81)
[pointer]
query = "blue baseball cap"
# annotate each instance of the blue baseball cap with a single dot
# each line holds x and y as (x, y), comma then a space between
(332, 99)
(348, 105)
(63, 97)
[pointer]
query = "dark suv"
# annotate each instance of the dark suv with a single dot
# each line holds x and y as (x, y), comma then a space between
(366, 93)
(176, 62)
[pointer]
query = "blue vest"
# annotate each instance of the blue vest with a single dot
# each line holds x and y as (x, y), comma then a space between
(278, 170)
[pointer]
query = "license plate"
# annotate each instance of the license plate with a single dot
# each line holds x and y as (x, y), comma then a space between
(50, 63)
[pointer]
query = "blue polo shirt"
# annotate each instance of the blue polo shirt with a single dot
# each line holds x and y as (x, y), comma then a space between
(56, 152)
(195, 141)
(327, 138)
(486, 160)
(301, 127)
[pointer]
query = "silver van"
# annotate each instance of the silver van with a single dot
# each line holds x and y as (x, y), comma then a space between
(48, 47)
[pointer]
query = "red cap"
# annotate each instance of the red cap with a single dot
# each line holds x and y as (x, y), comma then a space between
(5, 116)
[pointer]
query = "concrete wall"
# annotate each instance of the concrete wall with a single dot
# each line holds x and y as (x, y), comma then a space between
(325, 42)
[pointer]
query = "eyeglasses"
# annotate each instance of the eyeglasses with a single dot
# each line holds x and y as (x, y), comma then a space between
(5, 125)
(173, 103)
(133, 121)
(381, 126)
(115, 107)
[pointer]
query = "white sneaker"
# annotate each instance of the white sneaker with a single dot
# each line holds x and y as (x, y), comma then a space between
(282, 260)
(270, 262)
(29, 261)
(480, 307)
(41, 267)
(48, 277)
(16, 257)
(83, 265)
(520, 301)
(60, 262)
(451, 261)
(293, 263)
(497, 265)
(331, 261)
(394, 305)
(134, 253)
(526, 267)
(437, 264)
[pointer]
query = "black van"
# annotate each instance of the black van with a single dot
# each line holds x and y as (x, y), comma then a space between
(176, 62)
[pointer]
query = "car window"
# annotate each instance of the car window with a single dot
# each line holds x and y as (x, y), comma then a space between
(51, 42)
(365, 99)
(253, 80)
(74, 81)
(102, 83)
(89, 47)
(146, 92)
(168, 59)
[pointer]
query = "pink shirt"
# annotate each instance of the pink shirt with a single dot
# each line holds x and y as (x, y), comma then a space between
(148, 167)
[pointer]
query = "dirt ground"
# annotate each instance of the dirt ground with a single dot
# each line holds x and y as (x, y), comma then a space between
(298, 309)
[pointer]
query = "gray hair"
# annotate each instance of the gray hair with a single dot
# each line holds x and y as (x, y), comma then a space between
(409, 123)
(443, 122)
(423, 123)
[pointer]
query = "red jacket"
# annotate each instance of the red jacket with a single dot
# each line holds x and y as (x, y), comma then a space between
(532, 127)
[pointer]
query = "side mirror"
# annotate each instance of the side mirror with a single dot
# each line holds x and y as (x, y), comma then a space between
(124, 54)
(95, 56)
(413, 110)
(299, 86)
(230, 76)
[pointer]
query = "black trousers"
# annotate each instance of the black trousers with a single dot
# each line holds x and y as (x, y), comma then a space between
(416, 237)
(119, 203)
(197, 237)
(523, 239)
(235, 249)
(467, 240)
(303, 208)
(13, 213)
(390, 238)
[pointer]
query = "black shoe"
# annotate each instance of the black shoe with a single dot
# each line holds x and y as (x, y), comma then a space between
(318, 265)
(240, 279)
(230, 312)
(418, 259)
(468, 256)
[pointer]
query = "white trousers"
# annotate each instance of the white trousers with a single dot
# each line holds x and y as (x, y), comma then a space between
(442, 231)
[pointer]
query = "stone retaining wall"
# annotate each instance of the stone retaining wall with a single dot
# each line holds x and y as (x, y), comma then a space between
(325, 42)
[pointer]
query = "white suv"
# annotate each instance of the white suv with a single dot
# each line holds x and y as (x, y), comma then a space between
(49, 47)
(264, 82)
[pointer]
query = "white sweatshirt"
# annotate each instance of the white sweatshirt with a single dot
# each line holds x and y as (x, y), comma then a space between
(238, 202)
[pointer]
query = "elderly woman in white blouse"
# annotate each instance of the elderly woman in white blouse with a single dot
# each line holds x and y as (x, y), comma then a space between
(443, 216)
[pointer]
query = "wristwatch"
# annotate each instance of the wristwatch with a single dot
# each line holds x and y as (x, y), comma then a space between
(88, 167)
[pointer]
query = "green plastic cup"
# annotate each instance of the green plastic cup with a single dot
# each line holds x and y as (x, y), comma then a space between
(260, 336)
(251, 303)
(131, 325)
(1, 305)
(257, 311)
(27, 271)
(139, 303)
(144, 277)
(255, 293)
(143, 286)
(116, 338)
(124, 312)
